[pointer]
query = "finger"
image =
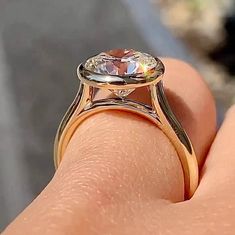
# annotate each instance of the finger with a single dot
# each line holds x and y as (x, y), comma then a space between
(212, 209)
(116, 158)
(193, 104)
(218, 179)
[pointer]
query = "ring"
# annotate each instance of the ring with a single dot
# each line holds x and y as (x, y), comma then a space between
(121, 71)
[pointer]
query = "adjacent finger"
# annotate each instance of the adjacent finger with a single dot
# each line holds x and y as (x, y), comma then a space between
(212, 210)
(218, 176)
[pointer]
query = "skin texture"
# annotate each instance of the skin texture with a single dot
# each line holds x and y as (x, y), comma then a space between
(121, 175)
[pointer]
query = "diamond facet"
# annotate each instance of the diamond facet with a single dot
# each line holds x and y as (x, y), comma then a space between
(122, 62)
(121, 93)
(121, 71)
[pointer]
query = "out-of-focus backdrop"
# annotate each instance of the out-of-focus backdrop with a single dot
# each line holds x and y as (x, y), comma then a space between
(42, 42)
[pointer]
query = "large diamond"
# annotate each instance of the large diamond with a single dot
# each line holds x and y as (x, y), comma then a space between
(122, 70)
(122, 62)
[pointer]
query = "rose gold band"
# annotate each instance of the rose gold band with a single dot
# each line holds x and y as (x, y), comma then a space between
(83, 107)
(159, 113)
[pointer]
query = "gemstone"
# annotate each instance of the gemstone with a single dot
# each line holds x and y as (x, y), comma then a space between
(122, 62)
(121, 70)
(121, 93)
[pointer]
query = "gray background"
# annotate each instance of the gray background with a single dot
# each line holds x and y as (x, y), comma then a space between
(41, 44)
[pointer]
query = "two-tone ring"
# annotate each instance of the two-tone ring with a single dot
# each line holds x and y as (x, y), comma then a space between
(121, 71)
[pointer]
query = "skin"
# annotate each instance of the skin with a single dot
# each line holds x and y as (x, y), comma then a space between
(121, 175)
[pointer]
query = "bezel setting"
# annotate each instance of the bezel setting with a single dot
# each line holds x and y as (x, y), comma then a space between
(123, 81)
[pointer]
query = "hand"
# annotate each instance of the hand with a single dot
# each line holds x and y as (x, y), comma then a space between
(121, 175)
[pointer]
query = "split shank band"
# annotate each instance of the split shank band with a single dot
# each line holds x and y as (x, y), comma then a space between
(122, 71)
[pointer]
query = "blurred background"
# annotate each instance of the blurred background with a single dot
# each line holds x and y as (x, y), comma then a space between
(43, 41)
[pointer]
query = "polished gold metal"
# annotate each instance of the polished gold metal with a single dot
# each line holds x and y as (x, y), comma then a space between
(159, 113)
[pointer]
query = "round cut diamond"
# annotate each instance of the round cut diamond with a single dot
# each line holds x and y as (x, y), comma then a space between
(121, 71)
(122, 62)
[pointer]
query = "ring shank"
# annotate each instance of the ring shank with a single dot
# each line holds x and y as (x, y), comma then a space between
(160, 114)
